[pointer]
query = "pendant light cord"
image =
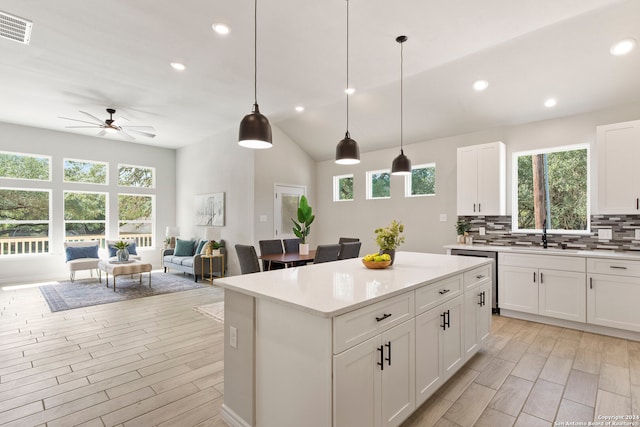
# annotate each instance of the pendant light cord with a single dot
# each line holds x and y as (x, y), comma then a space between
(347, 88)
(401, 91)
(255, 52)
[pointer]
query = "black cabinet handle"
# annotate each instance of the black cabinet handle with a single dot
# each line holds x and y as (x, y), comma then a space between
(479, 210)
(384, 316)
(474, 207)
(447, 322)
(381, 362)
(590, 282)
(637, 203)
(479, 276)
(534, 277)
(444, 322)
(444, 291)
(388, 358)
(480, 299)
(541, 278)
(618, 267)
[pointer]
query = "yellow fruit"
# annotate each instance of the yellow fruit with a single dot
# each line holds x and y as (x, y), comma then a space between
(379, 258)
(386, 257)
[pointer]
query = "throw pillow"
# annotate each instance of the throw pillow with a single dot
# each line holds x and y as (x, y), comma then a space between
(200, 247)
(184, 247)
(81, 252)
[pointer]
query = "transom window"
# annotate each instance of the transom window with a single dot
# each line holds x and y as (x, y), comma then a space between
(379, 184)
(342, 187)
(25, 166)
(422, 181)
(136, 176)
(85, 171)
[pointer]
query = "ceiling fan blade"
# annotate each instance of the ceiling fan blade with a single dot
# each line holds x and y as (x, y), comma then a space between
(119, 121)
(126, 135)
(139, 132)
(78, 127)
(102, 133)
(140, 128)
(93, 117)
(81, 121)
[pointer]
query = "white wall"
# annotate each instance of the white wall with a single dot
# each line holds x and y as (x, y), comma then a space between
(60, 145)
(423, 229)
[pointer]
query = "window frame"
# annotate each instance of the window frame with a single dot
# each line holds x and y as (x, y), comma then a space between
(151, 221)
(336, 187)
(18, 222)
(127, 165)
(64, 178)
(38, 156)
(105, 221)
(369, 176)
(408, 180)
(514, 188)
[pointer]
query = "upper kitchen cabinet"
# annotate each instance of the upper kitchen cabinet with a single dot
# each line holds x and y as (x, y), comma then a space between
(618, 172)
(481, 179)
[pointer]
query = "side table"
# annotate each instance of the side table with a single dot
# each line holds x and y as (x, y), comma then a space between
(210, 258)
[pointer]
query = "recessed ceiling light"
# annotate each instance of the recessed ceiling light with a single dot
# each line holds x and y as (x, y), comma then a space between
(551, 102)
(178, 66)
(299, 108)
(221, 29)
(350, 91)
(622, 47)
(480, 85)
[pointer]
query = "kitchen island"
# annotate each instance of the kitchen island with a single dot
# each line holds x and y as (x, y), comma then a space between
(336, 344)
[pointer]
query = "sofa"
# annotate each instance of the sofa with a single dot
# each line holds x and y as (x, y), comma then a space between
(187, 257)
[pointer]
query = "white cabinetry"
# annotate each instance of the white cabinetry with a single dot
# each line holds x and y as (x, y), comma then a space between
(477, 309)
(552, 286)
(613, 293)
(618, 172)
(481, 179)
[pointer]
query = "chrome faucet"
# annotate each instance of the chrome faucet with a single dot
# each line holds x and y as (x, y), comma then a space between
(544, 234)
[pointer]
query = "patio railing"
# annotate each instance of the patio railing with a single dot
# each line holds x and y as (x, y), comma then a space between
(39, 245)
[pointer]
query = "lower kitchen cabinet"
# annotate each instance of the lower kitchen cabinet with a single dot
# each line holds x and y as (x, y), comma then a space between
(477, 318)
(561, 294)
(439, 346)
(374, 382)
(518, 288)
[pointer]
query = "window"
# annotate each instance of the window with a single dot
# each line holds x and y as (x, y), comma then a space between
(136, 176)
(24, 221)
(85, 216)
(342, 187)
(379, 184)
(25, 166)
(135, 218)
(422, 181)
(551, 184)
(85, 171)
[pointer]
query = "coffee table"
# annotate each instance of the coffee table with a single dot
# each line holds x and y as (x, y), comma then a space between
(116, 268)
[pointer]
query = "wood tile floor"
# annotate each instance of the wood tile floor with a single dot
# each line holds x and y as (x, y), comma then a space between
(156, 361)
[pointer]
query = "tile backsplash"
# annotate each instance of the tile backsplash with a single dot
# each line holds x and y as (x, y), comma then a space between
(498, 233)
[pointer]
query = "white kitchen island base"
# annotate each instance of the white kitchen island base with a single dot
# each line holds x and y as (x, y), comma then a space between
(335, 344)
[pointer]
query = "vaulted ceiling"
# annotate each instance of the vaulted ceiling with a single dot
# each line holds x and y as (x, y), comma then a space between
(89, 55)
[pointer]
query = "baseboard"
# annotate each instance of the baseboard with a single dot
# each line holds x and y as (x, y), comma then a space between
(231, 418)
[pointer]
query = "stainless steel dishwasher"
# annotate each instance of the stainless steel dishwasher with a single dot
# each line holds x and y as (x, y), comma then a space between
(494, 273)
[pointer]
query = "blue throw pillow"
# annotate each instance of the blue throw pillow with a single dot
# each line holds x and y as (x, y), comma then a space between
(184, 247)
(200, 246)
(81, 252)
(131, 249)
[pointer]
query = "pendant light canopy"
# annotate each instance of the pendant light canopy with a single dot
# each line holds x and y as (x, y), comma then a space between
(255, 130)
(401, 165)
(347, 150)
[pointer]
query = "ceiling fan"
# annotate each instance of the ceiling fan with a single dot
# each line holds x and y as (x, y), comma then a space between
(113, 126)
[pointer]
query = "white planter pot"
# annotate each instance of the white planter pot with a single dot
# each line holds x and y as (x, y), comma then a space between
(304, 249)
(215, 252)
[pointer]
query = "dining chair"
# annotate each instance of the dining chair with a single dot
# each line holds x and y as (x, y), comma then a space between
(349, 250)
(291, 245)
(326, 253)
(248, 259)
(348, 240)
(270, 247)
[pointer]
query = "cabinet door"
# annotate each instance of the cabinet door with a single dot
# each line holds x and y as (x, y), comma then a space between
(477, 318)
(467, 180)
(484, 314)
(398, 375)
(453, 338)
(428, 354)
(518, 288)
(357, 385)
(491, 179)
(618, 151)
(562, 295)
(613, 301)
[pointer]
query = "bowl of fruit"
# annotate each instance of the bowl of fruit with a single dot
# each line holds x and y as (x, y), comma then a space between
(377, 261)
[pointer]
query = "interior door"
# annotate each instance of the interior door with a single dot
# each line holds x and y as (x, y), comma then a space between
(285, 207)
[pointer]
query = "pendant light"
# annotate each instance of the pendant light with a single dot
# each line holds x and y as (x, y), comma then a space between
(255, 130)
(401, 165)
(347, 151)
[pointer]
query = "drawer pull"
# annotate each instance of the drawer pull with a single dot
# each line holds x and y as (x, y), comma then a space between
(381, 362)
(384, 316)
(618, 267)
(590, 282)
(444, 291)
(541, 278)
(479, 276)
(388, 359)
(534, 277)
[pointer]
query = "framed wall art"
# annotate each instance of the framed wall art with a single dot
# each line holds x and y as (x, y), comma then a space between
(210, 209)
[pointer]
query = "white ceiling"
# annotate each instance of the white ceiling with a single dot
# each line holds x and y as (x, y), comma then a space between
(89, 55)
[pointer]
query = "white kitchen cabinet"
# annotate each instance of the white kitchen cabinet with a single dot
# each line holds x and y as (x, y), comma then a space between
(548, 285)
(374, 381)
(613, 293)
(481, 184)
(618, 172)
(477, 317)
(439, 346)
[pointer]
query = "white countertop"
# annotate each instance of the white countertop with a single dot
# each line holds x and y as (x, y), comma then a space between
(550, 251)
(333, 288)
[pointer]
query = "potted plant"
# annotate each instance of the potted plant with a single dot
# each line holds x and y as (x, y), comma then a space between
(214, 248)
(389, 238)
(462, 228)
(302, 227)
(122, 253)
(167, 242)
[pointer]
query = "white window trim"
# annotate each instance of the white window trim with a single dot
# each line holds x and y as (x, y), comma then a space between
(41, 156)
(336, 187)
(49, 221)
(514, 189)
(408, 186)
(370, 184)
(152, 220)
(64, 179)
(106, 212)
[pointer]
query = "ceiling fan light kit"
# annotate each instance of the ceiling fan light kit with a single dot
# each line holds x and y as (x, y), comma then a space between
(347, 150)
(401, 165)
(255, 130)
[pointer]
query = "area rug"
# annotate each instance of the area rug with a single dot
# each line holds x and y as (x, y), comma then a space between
(215, 310)
(65, 295)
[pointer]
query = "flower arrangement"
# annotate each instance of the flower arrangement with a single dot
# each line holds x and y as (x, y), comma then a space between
(389, 238)
(121, 244)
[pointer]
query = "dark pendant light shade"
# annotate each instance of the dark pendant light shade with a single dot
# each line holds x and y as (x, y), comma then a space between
(401, 165)
(255, 130)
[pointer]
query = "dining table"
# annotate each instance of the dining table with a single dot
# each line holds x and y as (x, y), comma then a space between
(289, 258)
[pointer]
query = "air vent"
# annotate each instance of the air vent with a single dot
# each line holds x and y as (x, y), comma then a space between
(14, 28)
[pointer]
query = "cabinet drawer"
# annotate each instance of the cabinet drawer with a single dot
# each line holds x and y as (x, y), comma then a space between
(357, 326)
(436, 293)
(476, 276)
(550, 262)
(614, 267)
